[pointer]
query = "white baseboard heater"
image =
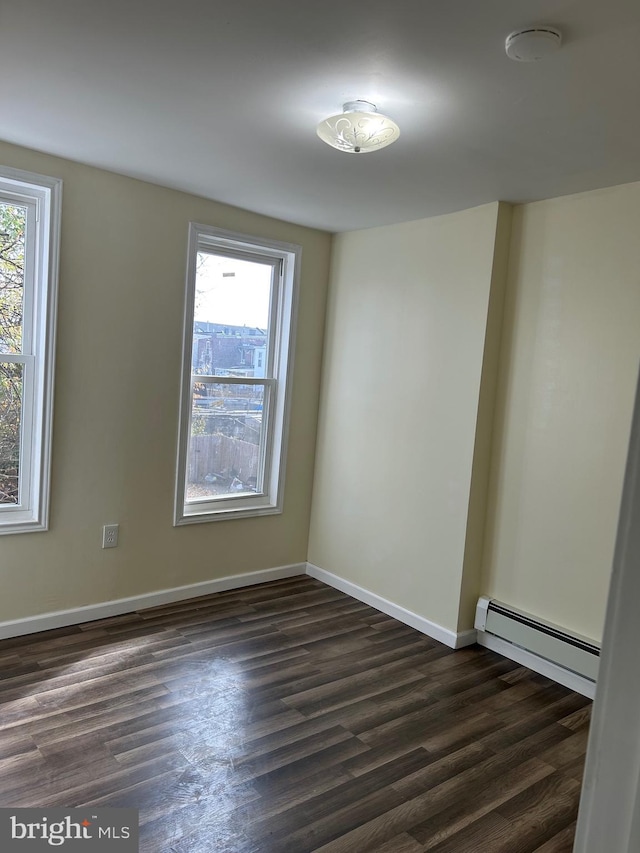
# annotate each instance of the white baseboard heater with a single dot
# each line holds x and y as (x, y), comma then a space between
(534, 636)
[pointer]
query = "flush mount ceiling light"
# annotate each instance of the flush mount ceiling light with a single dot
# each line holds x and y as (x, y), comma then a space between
(359, 129)
(532, 43)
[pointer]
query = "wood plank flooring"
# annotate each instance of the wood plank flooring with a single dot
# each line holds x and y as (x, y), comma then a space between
(290, 718)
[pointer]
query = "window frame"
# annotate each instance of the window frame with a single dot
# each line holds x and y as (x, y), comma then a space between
(285, 261)
(42, 195)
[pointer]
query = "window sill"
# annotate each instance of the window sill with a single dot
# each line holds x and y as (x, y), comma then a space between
(29, 525)
(225, 514)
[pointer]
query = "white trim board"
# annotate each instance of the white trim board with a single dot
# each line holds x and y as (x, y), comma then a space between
(532, 661)
(425, 626)
(79, 615)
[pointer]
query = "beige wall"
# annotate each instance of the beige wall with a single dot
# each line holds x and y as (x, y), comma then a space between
(117, 389)
(424, 462)
(568, 369)
(405, 451)
(472, 579)
(405, 338)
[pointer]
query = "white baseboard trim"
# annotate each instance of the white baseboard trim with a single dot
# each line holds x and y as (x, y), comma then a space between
(79, 615)
(431, 629)
(557, 673)
(466, 638)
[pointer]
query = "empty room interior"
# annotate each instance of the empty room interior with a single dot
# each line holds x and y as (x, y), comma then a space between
(315, 460)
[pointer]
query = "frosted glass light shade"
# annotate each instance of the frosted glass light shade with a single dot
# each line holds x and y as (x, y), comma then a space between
(359, 129)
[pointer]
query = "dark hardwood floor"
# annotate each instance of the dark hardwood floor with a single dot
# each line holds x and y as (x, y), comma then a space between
(289, 718)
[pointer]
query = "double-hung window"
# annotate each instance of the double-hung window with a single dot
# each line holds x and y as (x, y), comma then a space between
(29, 239)
(237, 364)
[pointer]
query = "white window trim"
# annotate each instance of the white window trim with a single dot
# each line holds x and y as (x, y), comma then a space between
(284, 315)
(35, 455)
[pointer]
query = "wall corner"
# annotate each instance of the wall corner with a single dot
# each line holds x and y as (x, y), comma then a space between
(470, 587)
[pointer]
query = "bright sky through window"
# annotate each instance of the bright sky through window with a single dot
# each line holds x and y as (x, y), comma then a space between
(233, 291)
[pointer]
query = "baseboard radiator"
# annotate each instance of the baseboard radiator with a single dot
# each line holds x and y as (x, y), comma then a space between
(570, 652)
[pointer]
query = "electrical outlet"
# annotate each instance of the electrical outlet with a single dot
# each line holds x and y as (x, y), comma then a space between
(110, 536)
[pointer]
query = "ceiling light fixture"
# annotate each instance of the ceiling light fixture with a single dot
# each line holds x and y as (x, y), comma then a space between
(359, 129)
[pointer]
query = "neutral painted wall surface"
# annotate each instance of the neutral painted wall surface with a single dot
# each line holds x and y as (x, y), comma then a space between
(406, 325)
(123, 260)
(481, 472)
(609, 817)
(568, 370)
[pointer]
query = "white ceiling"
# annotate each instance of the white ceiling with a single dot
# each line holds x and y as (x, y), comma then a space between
(221, 98)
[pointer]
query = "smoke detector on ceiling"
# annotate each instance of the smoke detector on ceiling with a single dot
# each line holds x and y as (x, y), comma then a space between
(532, 43)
